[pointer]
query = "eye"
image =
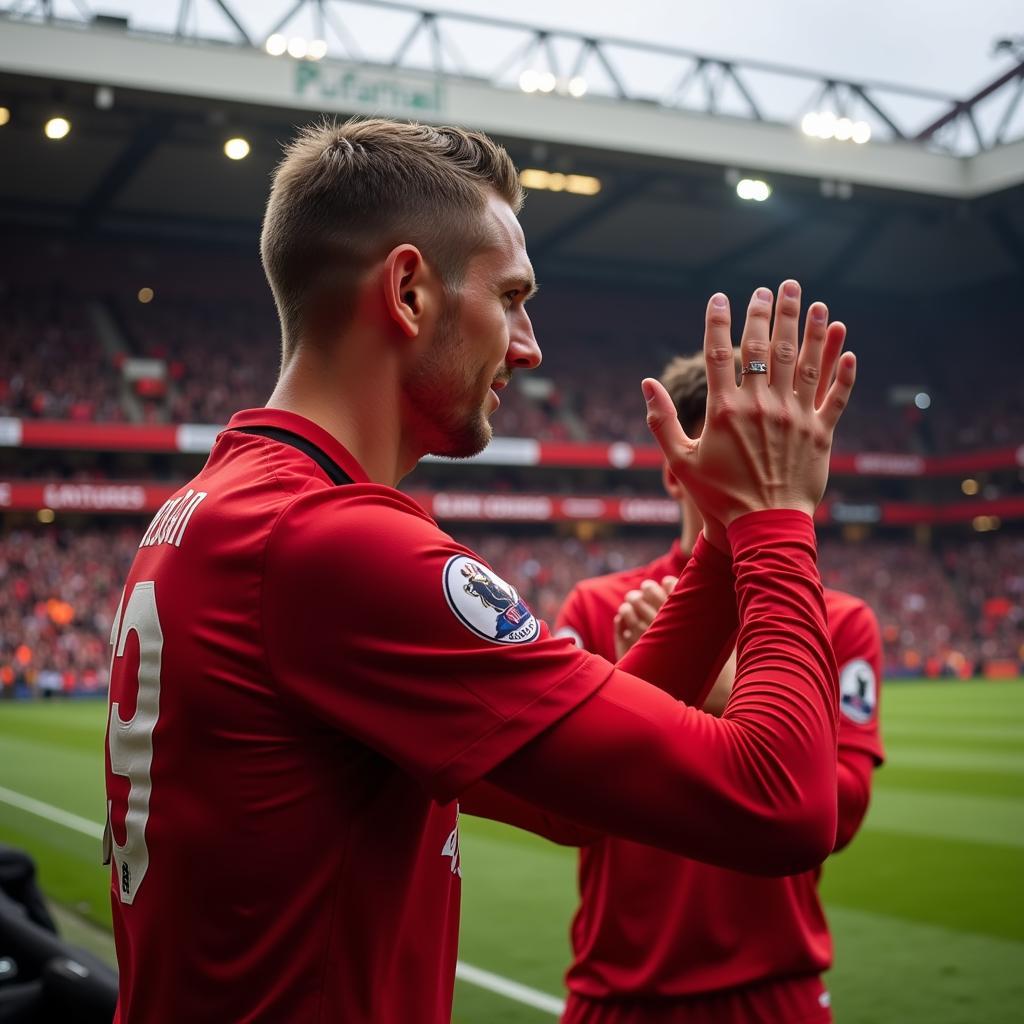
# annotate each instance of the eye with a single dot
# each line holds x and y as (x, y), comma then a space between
(511, 296)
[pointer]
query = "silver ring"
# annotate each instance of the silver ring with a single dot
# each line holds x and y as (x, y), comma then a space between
(755, 366)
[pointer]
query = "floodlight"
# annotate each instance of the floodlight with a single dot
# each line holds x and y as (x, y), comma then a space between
(826, 124)
(577, 86)
(317, 49)
(57, 128)
(753, 189)
(861, 132)
(297, 47)
(276, 44)
(529, 80)
(236, 149)
(5, 115)
(547, 82)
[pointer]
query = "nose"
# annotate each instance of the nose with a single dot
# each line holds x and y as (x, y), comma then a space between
(523, 351)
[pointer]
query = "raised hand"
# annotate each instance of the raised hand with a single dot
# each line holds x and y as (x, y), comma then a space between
(637, 611)
(766, 443)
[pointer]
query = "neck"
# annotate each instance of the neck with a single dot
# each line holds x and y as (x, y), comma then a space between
(356, 399)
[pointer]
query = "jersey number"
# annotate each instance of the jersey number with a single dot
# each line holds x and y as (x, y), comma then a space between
(131, 743)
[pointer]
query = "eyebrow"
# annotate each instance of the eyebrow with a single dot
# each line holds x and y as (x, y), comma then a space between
(525, 282)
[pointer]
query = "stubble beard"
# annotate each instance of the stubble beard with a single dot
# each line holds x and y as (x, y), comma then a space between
(443, 391)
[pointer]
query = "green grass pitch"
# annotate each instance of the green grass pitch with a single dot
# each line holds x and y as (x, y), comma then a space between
(927, 905)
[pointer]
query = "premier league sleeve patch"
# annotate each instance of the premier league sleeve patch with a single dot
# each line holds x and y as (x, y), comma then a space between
(857, 691)
(485, 604)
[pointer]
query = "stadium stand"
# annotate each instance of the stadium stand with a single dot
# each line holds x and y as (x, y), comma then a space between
(945, 611)
(205, 344)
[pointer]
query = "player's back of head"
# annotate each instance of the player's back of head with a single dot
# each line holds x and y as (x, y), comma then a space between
(345, 194)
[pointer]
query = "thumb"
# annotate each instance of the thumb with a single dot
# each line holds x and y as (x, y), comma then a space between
(663, 422)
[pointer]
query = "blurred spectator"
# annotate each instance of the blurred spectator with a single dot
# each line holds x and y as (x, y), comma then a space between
(943, 612)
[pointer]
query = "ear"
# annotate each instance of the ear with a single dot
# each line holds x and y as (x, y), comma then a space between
(673, 488)
(406, 279)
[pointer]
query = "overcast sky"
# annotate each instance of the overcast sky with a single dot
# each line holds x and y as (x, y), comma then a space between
(942, 44)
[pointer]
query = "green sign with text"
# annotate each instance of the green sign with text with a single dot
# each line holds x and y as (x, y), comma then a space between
(368, 90)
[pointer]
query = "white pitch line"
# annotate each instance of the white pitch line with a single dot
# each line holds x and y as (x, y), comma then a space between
(466, 972)
(51, 813)
(509, 989)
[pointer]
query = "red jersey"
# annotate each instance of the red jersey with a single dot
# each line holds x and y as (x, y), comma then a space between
(304, 677)
(652, 924)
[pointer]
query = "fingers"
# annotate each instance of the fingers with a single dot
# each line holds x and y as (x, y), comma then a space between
(785, 338)
(838, 395)
(756, 341)
(834, 340)
(718, 355)
(663, 421)
(809, 364)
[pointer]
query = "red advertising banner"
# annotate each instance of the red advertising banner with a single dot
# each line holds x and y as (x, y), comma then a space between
(141, 498)
(506, 451)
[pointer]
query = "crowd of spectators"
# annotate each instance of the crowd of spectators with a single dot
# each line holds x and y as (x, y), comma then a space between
(58, 595)
(953, 610)
(209, 318)
(52, 365)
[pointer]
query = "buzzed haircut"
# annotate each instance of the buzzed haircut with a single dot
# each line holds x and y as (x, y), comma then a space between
(686, 380)
(345, 195)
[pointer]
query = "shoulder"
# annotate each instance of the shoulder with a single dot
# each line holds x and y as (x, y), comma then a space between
(852, 623)
(353, 518)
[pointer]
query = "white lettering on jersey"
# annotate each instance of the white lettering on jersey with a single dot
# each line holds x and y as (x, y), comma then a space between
(451, 848)
(168, 525)
(130, 743)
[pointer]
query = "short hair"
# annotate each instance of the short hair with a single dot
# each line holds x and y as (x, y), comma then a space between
(345, 194)
(686, 380)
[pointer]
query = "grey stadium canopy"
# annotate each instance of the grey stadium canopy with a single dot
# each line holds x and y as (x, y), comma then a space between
(934, 201)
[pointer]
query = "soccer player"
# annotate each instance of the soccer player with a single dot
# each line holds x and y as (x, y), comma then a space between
(307, 672)
(659, 938)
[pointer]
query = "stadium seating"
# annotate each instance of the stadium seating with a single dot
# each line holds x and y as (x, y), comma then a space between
(66, 332)
(947, 611)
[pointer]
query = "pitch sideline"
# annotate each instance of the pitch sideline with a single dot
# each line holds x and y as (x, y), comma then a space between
(513, 990)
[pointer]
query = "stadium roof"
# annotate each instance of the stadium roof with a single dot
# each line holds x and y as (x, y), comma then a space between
(150, 114)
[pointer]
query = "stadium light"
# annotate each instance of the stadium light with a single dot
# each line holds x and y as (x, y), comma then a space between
(46, 515)
(577, 184)
(145, 295)
(236, 148)
(5, 115)
(546, 82)
(753, 189)
(861, 132)
(317, 49)
(297, 47)
(824, 124)
(529, 80)
(57, 128)
(577, 86)
(969, 487)
(276, 44)
(922, 400)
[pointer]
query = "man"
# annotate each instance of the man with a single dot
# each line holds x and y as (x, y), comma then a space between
(307, 672)
(659, 938)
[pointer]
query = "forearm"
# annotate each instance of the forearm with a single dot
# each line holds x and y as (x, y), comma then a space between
(693, 634)
(853, 777)
(754, 790)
